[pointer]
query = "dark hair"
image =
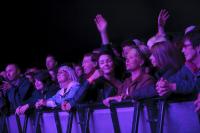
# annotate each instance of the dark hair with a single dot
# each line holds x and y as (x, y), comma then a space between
(43, 76)
(194, 37)
(128, 43)
(94, 56)
(166, 54)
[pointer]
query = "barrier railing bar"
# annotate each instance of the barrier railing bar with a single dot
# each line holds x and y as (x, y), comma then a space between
(162, 104)
(115, 120)
(37, 122)
(57, 121)
(18, 123)
(25, 123)
(136, 116)
(69, 124)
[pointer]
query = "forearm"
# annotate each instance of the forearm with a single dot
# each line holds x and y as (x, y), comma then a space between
(104, 37)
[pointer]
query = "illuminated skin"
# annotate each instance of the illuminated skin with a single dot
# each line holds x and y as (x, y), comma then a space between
(125, 51)
(62, 76)
(50, 62)
(106, 64)
(133, 61)
(189, 52)
(38, 84)
(78, 70)
(88, 65)
(153, 61)
(12, 72)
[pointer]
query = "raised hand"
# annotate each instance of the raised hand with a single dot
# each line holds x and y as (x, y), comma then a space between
(98, 73)
(101, 23)
(163, 17)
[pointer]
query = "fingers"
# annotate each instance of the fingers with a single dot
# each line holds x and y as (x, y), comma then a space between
(106, 102)
(162, 91)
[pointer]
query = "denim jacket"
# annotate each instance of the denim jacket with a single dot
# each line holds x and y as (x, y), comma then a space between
(63, 95)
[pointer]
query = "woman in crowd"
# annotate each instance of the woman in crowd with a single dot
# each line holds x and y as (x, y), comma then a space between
(69, 86)
(44, 89)
(139, 79)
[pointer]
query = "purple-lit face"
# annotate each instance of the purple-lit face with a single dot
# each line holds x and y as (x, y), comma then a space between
(189, 52)
(125, 51)
(50, 62)
(78, 70)
(11, 72)
(62, 76)
(38, 84)
(88, 65)
(106, 64)
(133, 60)
(153, 61)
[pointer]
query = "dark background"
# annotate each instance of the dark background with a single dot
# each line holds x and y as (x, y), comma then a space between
(66, 28)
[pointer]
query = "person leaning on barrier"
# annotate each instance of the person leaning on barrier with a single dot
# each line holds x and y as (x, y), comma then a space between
(102, 83)
(139, 80)
(187, 79)
(44, 89)
(18, 88)
(69, 85)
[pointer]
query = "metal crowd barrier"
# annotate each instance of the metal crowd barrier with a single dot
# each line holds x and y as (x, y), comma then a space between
(125, 117)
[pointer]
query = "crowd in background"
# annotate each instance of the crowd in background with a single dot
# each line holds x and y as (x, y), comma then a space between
(164, 66)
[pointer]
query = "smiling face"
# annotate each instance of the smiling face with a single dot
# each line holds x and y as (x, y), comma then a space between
(88, 65)
(106, 64)
(38, 84)
(133, 60)
(189, 52)
(62, 76)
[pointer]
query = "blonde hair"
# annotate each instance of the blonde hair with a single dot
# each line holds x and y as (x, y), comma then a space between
(71, 73)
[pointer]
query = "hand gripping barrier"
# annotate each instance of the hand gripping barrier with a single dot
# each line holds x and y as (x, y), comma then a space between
(125, 117)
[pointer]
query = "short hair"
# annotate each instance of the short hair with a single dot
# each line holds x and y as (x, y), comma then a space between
(194, 37)
(43, 76)
(15, 65)
(128, 43)
(94, 56)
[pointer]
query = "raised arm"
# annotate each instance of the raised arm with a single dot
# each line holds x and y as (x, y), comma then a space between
(162, 19)
(101, 24)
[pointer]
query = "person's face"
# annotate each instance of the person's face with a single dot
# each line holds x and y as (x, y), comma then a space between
(189, 52)
(62, 76)
(106, 64)
(153, 60)
(38, 84)
(12, 72)
(88, 65)
(78, 70)
(125, 51)
(133, 60)
(50, 62)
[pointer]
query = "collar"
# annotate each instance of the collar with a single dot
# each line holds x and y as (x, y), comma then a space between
(193, 68)
(63, 91)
